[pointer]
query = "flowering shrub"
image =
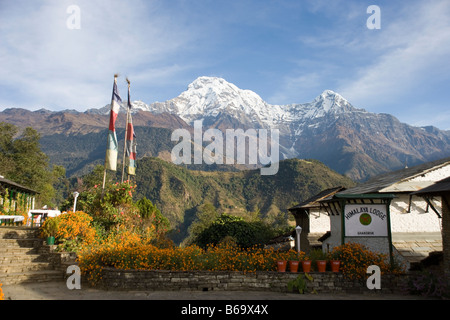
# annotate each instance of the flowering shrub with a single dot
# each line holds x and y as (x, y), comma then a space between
(73, 230)
(132, 253)
(114, 209)
(111, 206)
(356, 258)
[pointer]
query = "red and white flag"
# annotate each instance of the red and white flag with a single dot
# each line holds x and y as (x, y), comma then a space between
(112, 147)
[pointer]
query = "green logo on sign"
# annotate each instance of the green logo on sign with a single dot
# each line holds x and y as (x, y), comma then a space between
(365, 219)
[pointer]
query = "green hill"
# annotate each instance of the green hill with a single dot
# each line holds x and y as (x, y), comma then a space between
(79, 153)
(178, 192)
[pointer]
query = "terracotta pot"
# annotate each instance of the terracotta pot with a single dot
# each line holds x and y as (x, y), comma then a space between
(306, 265)
(293, 266)
(281, 266)
(321, 265)
(335, 264)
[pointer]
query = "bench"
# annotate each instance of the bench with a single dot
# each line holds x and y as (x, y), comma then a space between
(11, 220)
(38, 217)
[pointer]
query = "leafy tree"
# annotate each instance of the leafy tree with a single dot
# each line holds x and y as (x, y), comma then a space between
(22, 161)
(148, 210)
(95, 177)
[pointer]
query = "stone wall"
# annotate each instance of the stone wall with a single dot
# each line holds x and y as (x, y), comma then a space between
(327, 282)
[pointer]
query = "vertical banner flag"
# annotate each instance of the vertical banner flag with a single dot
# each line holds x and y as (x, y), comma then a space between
(111, 148)
(131, 142)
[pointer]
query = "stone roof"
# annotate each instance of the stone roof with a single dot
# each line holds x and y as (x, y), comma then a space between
(13, 185)
(313, 202)
(441, 186)
(399, 181)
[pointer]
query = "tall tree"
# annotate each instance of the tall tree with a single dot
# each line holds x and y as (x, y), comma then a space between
(22, 161)
(7, 133)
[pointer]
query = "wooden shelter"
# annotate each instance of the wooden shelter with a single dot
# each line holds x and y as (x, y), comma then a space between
(15, 198)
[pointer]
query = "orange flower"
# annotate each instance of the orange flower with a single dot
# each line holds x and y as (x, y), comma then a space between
(2, 296)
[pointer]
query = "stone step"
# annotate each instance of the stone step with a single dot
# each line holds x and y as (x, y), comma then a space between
(21, 243)
(18, 232)
(24, 267)
(31, 276)
(22, 258)
(6, 251)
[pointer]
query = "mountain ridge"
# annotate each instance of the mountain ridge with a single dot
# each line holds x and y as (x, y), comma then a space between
(350, 140)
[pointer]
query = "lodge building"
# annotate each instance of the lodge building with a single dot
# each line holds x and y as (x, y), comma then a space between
(415, 220)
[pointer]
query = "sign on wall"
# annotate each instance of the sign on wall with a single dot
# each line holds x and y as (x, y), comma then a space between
(365, 220)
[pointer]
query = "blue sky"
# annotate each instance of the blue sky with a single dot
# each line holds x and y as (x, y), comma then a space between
(287, 51)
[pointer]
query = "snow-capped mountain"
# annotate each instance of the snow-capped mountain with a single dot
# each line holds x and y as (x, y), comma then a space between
(136, 107)
(209, 97)
(349, 140)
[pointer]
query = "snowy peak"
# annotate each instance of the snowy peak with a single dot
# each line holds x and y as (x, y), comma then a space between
(209, 97)
(212, 97)
(206, 93)
(332, 101)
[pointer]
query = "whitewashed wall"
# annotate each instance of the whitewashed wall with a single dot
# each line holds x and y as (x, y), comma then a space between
(319, 221)
(418, 219)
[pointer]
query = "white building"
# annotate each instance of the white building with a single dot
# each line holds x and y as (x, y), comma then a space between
(415, 223)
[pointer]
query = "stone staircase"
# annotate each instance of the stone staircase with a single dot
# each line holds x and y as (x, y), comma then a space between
(25, 258)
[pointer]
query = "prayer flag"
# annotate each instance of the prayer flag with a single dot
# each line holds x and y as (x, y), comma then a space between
(111, 148)
(131, 142)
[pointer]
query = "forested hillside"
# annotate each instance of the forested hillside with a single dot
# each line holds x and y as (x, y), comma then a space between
(178, 192)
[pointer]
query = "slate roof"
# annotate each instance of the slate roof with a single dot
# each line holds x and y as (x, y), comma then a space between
(11, 184)
(438, 187)
(314, 201)
(378, 183)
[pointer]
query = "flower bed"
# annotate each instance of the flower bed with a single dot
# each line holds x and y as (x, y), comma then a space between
(355, 258)
(130, 254)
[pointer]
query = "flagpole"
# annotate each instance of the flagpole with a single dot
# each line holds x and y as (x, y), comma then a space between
(126, 132)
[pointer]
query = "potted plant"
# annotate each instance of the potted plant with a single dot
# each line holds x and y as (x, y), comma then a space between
(335, 263)
(293, 265)
(281, 265)
(49, 230)
(306, 264)
(320, 258)
(294, 261)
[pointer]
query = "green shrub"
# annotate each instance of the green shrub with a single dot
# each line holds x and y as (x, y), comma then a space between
(246, 234)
